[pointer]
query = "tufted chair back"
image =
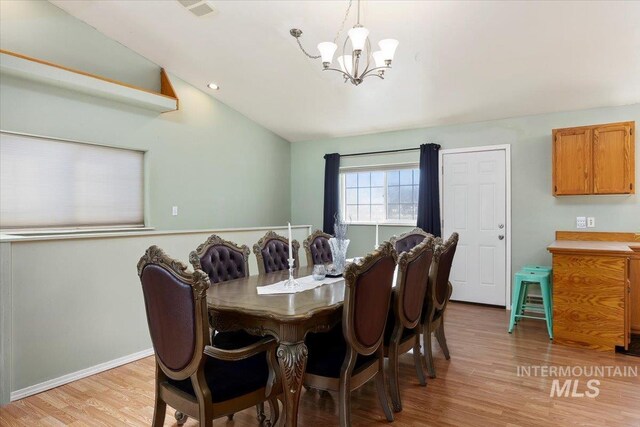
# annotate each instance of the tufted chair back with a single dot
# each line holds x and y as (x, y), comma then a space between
(439, 276)
(272, 252)
(317, 248)
(407, 241)
(368, 286)
(221, 259)
(411, 287)
(175, 302)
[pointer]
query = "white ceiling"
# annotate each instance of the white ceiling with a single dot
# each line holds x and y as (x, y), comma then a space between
(457, 61)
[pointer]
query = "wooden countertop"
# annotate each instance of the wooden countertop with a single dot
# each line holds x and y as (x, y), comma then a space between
(589, 246)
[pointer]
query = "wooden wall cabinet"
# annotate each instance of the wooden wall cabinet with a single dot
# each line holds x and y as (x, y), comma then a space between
(598, 159)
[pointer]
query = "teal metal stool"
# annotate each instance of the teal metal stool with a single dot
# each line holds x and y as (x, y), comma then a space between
(525, 294)
(521, 283)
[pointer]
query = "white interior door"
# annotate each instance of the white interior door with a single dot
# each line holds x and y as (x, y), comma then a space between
(474, 205)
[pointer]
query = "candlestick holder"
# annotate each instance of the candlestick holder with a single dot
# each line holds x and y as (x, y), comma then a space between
(291, 282)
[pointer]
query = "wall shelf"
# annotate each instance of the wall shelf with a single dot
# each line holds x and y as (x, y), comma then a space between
(57, 75)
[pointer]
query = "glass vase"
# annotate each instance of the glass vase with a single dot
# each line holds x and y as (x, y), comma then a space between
(339, 254)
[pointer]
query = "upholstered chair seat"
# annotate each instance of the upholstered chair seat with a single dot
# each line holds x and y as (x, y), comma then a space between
(317, 248)
(327, 352)
(240, 377)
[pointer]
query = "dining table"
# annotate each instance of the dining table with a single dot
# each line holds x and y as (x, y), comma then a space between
(235, 305)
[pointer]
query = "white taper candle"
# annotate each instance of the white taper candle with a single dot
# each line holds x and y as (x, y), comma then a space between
(290, 242)
(376, 235)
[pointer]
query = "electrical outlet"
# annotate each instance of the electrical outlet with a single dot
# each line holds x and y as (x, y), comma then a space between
(581, 222)
(591, 222)
(174, 211)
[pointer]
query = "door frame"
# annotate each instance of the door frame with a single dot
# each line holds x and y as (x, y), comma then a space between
(507, 149)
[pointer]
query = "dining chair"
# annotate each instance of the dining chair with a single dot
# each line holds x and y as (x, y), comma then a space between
(352, 354)
(439, 291)
(404, 326)
(272, 252)
(224, 260)
(405, 241)
(317, 248)
(198, 380)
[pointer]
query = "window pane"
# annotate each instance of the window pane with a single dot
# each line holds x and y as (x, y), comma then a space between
(364, 196)
(364, 179)
(406, 212)
(393, 178)
(377, 179)
(406, 194)
(352, 213)
(393, 212)
(351, 180)
(415, 193)
(393, 194)
(377, 195)
(352, 196)
(377, 213)
(364, 213)
(406, 177)
(416, 176)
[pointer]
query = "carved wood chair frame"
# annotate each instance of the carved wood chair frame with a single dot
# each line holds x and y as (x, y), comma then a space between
(434, 310)
(417, 230)
(347, 381)
(397, 345)
(201, 406)
(309, 240)
(272, 235)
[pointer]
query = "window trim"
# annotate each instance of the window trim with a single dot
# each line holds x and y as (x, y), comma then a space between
(72, 230)
(374, 168)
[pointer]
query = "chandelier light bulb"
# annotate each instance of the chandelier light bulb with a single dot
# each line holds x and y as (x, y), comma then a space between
(358, 36)
(327, 50)
(388, 48)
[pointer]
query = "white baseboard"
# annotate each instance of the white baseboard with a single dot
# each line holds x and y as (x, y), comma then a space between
(83, 373)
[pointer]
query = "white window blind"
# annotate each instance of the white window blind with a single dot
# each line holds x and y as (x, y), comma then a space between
(49, 183)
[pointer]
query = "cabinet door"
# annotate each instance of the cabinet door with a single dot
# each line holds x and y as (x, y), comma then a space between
(613, 159)
(572, 161)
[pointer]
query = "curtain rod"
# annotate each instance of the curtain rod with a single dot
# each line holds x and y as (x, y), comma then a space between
(400, 150)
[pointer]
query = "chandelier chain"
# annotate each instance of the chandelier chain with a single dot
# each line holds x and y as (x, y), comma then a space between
(335, 39)
(346, 15)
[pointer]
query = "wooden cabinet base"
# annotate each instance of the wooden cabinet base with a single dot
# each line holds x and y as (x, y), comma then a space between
(591, 291)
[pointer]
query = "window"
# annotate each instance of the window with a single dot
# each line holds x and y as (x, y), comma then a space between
(49, 183)
(380, 195)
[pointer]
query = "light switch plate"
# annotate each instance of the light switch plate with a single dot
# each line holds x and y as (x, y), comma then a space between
(174, 211)
(591, 222)
(581, 222)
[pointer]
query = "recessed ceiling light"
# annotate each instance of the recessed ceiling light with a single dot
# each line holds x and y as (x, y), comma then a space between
(213, 86)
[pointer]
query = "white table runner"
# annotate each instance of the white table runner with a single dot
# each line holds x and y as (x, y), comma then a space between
(304, 284)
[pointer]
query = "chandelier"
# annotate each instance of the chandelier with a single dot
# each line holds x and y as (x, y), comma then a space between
(361, 62)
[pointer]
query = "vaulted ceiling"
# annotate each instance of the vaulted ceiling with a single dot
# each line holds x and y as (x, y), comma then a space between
(457, 61)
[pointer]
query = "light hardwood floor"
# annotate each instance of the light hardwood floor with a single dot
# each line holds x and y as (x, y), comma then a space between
(479, 386)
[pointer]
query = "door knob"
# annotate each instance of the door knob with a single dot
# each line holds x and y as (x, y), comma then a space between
(501, 237)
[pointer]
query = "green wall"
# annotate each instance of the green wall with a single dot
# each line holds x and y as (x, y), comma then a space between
(536, 214)
(216, 165)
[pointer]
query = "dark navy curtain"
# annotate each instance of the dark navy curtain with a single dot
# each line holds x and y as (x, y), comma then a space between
(331, 191)
(429, 193)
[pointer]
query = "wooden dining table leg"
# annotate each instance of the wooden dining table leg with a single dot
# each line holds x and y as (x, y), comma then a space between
(292, 358)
